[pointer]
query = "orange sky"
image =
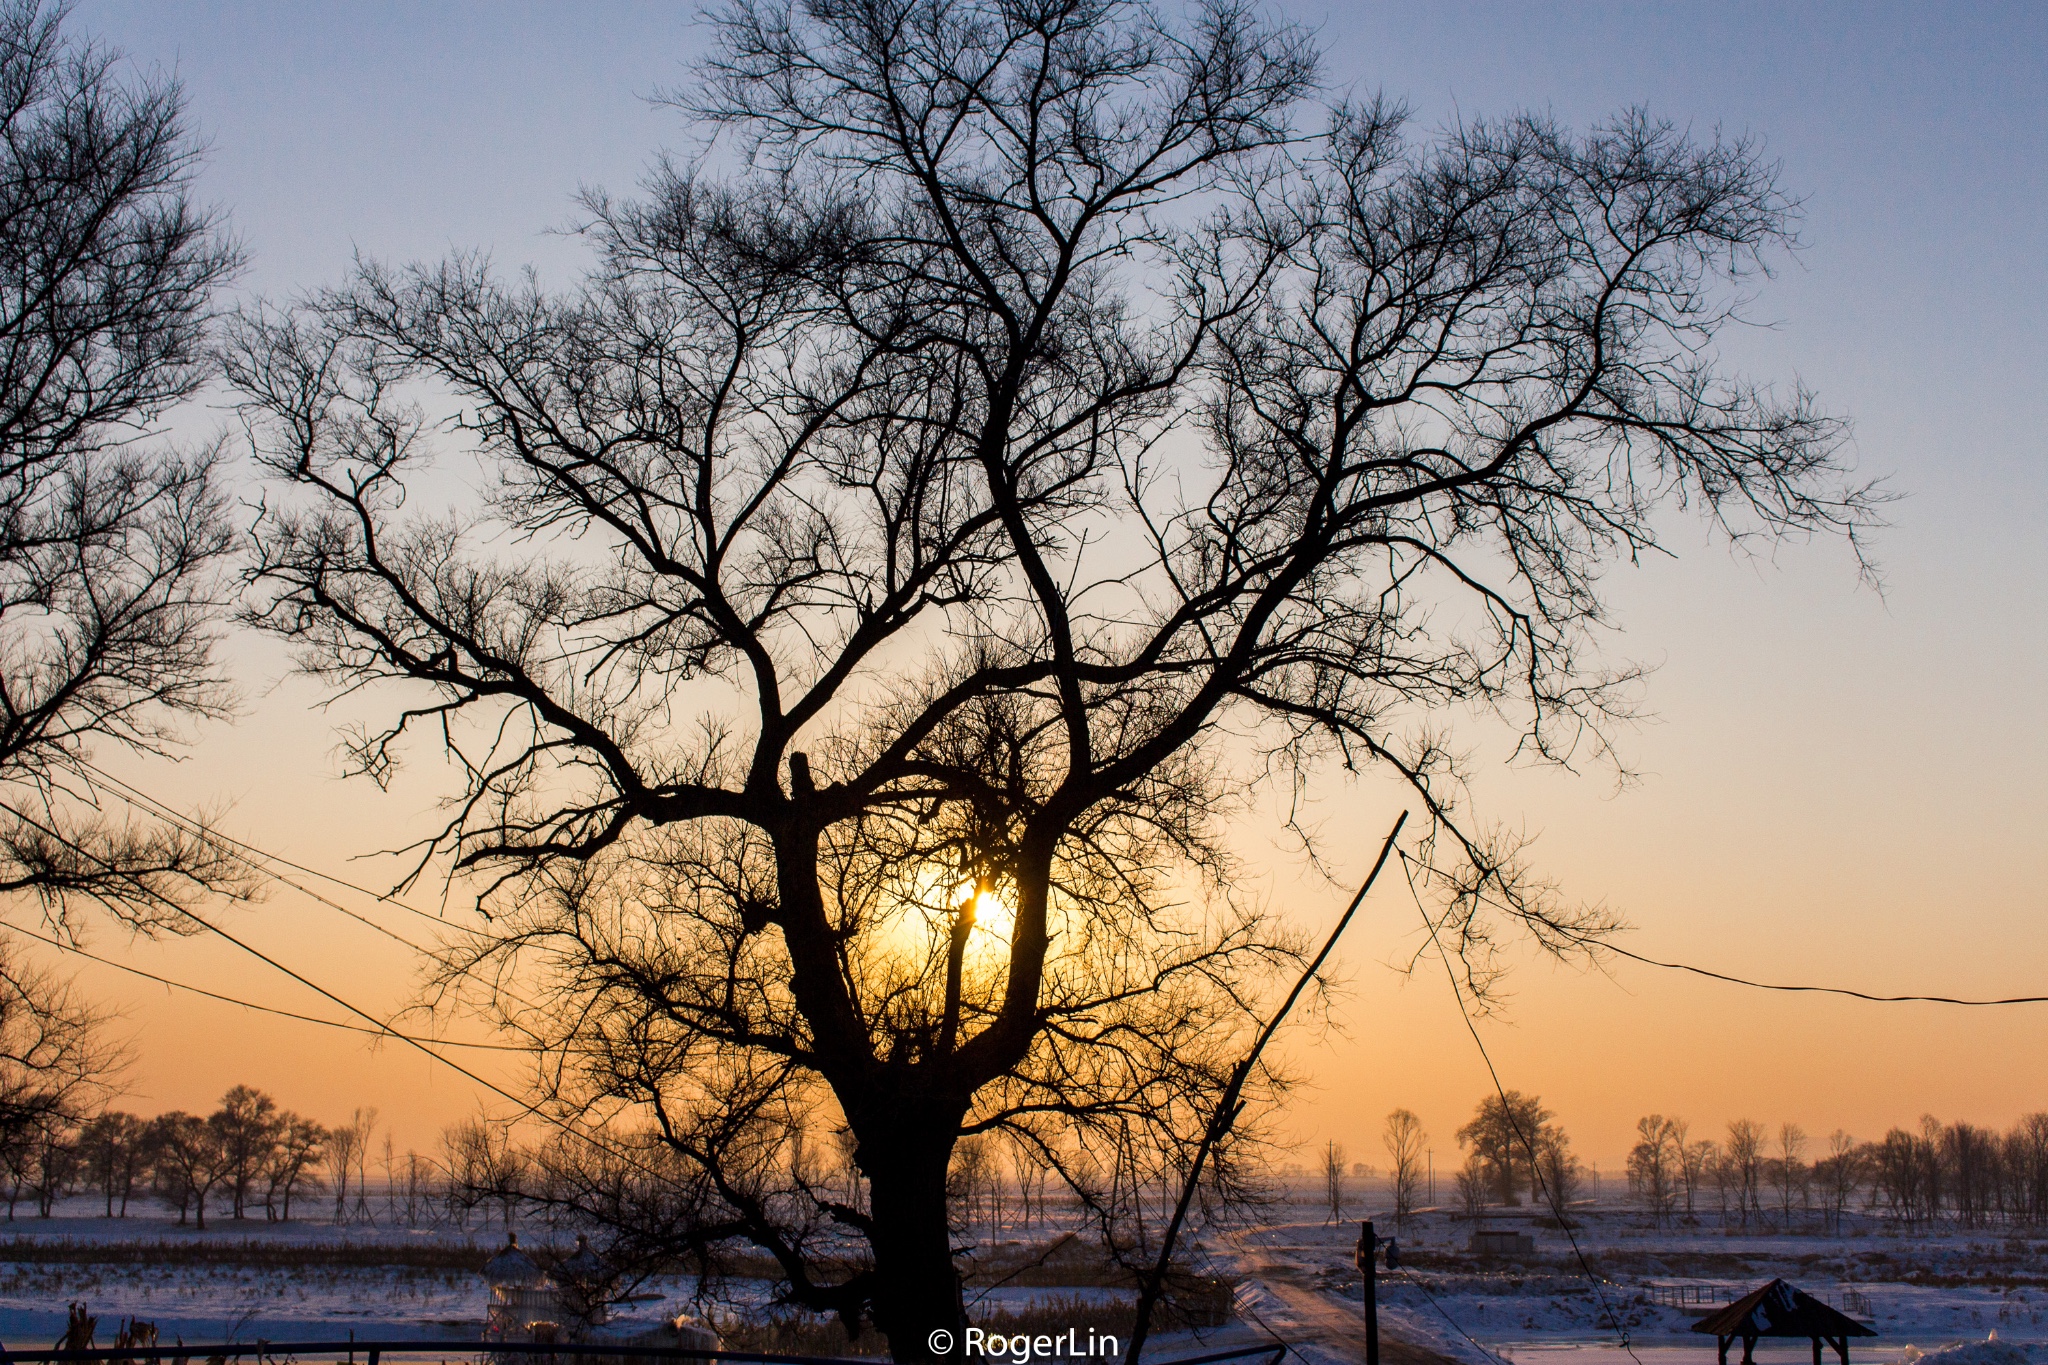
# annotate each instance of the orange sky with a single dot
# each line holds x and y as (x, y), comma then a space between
(1837, 787)
(1784, 827)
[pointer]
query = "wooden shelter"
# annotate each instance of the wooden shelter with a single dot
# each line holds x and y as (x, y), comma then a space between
(1779, 1310)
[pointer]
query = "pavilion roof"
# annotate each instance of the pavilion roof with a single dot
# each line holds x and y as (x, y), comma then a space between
(1779, 1310)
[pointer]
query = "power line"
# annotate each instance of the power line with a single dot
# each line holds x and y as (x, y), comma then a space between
(381, 1027)
(1535, 1166)
(1605, 946)
(259, 863)
(77, 951)
(1416, 1280)
(249, 855)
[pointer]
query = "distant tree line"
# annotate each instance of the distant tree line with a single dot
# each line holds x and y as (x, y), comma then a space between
(1960, 1173)
(1752, 1176)
(251, 1156)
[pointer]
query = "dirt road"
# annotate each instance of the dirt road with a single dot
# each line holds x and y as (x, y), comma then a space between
(1340, 1327)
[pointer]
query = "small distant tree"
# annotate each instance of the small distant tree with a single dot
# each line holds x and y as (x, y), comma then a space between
(1745, 1157)
(1653, 1166)
(460, 1183)
(1720, 1170)
(968, 1178)
(1839, 1175)
(487, 1165)
(249, 1125)
(294, 1158)
(1506, 1133)
(1788, 1169)
(364, 1121)
(390, 1167)
(2027, 1159)
(1934, 1170)
(1475, 1182)
(1561, 1177)
(344, 1153)
(1406, 1142)
(113, 1148)
(56, 1166)
(1970, 1154)
(417, 1184)
(1895, 1176)
(191, 1159)
(1696, 1168)
(1333, 1183)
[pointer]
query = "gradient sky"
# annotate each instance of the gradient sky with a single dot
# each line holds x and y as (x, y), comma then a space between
(1837, 787)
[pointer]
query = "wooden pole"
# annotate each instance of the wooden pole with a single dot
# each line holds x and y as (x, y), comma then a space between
(1368, 1244)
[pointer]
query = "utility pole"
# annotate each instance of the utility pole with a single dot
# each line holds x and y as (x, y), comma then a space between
(1367, 1245)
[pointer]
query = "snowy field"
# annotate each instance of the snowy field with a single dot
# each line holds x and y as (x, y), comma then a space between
(1922, 1292)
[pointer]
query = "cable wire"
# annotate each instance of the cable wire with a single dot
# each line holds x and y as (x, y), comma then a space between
(383, 1028)
(257, 859)
(1410, 1277)
(89, 956)
(1605, 946)
(1535, 1166)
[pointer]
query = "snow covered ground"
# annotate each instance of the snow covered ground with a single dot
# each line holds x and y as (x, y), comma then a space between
(1922, 1293)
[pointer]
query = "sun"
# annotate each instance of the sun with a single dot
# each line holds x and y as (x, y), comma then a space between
(992, 911)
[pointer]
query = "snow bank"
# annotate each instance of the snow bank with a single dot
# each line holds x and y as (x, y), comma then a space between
(1990, 1351)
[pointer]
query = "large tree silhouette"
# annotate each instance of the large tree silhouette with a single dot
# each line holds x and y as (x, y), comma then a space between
(898, 554)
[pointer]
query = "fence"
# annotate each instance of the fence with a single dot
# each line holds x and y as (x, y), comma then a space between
(1849, 1300)
(1690, 1295)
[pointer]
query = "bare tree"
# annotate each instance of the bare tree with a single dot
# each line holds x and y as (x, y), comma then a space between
(1333, 1182)
(1744, 1153)
(1654, 1166)
(1405, 1141)
(364, 1121)
(1695, 1162)
(904, 528)
(489, 1166)
(300, 1147)
(192, 1159)
(56, 1166)
(1505, 1133)
(249, 1125)
(1560, 1175)
(115, 1149)
(1788, 1170)
(1475, 1182)
(346, 1152)
(1970, 1155)
(57, 1064)
(1840, 1174)
(111, 545)
(2027, 1160)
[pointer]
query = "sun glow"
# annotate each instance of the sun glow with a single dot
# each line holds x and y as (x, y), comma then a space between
(992, 912)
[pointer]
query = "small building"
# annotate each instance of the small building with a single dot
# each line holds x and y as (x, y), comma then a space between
(1497, 1242)
(1779, 1310)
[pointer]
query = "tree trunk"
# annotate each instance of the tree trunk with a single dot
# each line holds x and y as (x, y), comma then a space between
(917, 1288)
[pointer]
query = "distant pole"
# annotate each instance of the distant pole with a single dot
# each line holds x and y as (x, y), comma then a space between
(1367, 1244)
